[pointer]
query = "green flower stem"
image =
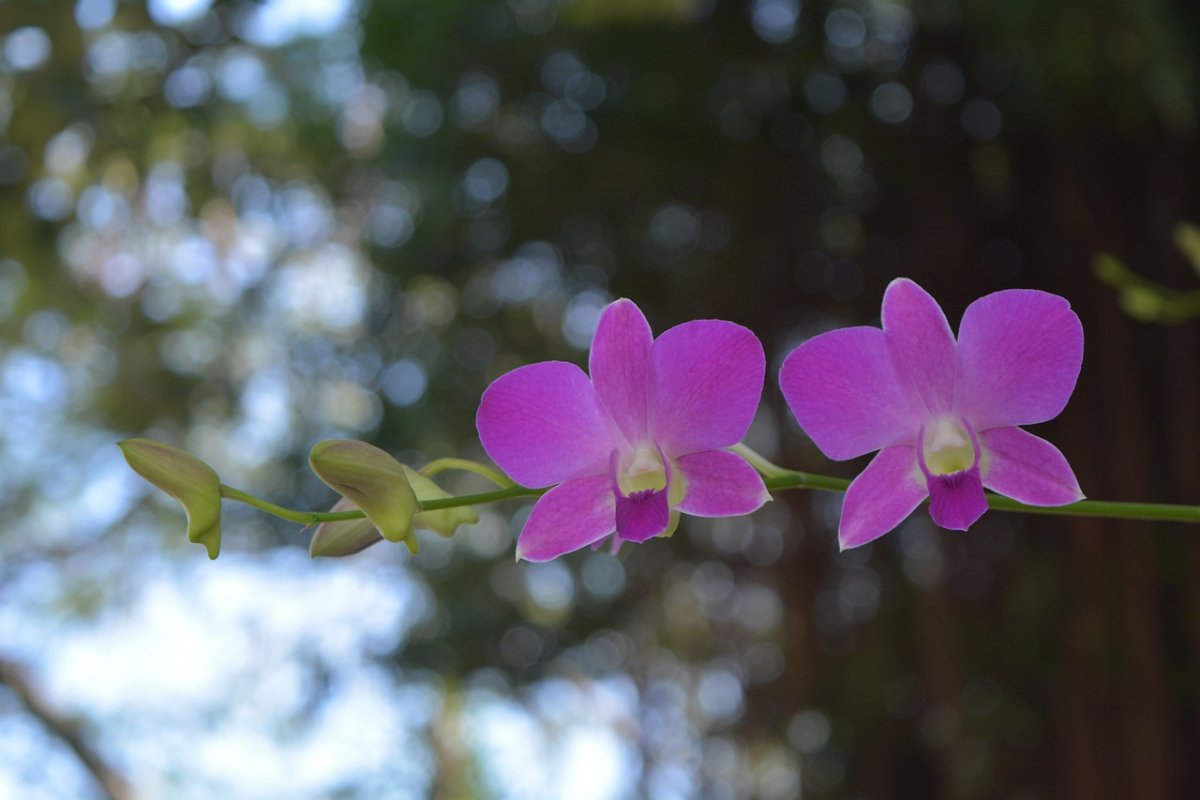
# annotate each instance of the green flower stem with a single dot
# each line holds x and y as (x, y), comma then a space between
(316, 517)
(790, 479)
(760, 463)
(776, 479)
(1108, 509)
(483, 497)
(302, 517)
(440, 465)
(1161, 512)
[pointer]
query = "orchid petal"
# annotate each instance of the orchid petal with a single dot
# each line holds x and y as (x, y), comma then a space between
(572, 515)
(720, 484)
(843, 388)
(1019, 353)
(543, 424)
(881, 497)
(1028, 468)
(706, 381)
(620, 366)
(921, 345)
(957, 500)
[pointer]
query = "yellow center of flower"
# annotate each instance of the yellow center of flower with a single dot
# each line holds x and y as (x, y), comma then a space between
(947, 448)
(644, 470)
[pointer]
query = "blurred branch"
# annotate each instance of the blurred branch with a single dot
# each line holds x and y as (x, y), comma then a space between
(112, 783)
(1147, 300)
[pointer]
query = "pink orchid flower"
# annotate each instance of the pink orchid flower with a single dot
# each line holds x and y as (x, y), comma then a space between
(639, 442)
(942, 414)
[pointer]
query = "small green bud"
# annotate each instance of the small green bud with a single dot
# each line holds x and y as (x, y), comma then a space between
(344, 537)
(443, 521)
(186, 478)
(347, 537)
(373, 481)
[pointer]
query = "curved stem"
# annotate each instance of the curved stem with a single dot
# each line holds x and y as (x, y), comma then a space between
(302, 517)
(790, 479)
(482, 497)
(776, 479)
(759, 461)
(440, 465)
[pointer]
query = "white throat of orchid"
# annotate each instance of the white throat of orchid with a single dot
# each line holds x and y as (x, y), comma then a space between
(949, 446)
(646, 468)
(642, 471)
(647, 486)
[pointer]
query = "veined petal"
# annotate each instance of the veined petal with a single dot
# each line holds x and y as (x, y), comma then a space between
(720, 484)
(843, 388)
(569, 516)
(706, 379)
(882, 496)
(543, 424)
(921, 345)
(1019, 353)
(620, 366)
(957, 500)
(1027, 468)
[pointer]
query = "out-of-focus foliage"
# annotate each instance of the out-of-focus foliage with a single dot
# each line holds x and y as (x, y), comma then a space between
(1147, 300)
(249, 225)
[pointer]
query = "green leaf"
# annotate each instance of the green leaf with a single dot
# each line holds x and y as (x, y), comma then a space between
(373, 481)
(186, 478)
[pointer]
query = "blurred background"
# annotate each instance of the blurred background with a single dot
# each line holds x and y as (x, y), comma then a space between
(242, 226)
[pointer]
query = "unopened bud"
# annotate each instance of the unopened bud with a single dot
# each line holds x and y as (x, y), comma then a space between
(186, 478)
(373, 481)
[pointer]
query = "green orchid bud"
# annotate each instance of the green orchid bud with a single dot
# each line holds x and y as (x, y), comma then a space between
(443, 521)
(373, 481)
(347, 537)
(186, 478)
(343, 537)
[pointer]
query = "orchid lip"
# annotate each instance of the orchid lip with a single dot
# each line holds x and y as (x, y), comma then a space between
(956, 498)
(644, 511)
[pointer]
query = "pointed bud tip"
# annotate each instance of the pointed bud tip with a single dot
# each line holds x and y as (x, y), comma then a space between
(193, 483)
